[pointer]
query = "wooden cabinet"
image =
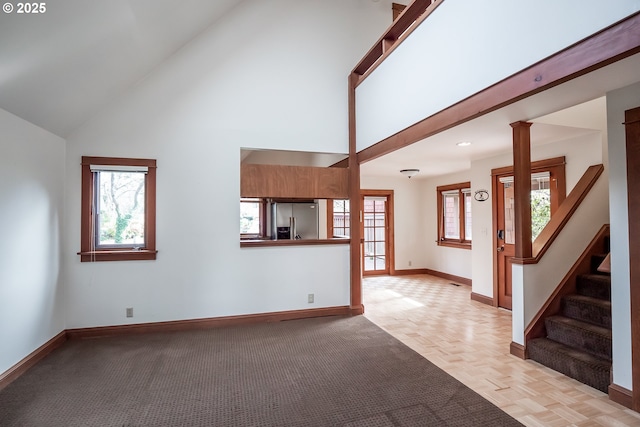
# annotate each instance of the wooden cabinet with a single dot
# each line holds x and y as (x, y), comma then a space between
(295, 182)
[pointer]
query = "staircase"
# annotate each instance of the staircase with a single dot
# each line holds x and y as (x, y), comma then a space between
(578, 339)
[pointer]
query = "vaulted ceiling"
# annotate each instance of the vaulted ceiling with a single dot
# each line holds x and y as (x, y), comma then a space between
(59, 68)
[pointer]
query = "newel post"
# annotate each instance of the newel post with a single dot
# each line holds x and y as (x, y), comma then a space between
(522, 188)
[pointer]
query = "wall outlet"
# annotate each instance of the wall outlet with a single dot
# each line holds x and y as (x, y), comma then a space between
(409, 263)
(129, 311)
(310, 298)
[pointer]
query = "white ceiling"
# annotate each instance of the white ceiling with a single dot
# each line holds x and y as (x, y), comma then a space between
(59, 68)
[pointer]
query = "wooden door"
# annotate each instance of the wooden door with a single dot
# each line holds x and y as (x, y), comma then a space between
(505, 238)
(548, 188)
(377, 232)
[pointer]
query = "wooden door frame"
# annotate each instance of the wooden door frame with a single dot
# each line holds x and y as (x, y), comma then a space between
(389, 232)
(556, 163)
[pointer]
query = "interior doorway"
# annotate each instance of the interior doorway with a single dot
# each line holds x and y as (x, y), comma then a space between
(377, 232)
(548, 190)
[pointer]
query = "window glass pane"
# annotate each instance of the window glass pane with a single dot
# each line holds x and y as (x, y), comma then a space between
(509, 214)
(121, 207)
(380, 237)
(249, 217)
(467, 216)
(540, 206)
(451, 216)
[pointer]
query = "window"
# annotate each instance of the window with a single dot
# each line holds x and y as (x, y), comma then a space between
(118, 209)
(252, 218)
(339, 221)
(454, 215)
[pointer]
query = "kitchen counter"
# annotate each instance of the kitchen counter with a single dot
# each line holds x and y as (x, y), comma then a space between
(253, 243)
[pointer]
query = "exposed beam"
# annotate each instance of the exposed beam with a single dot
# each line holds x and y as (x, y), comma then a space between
(612, 44)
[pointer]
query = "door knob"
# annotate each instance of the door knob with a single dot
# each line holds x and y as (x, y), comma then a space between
(500, 249)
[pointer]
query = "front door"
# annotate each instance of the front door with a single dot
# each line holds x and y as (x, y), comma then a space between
(505, 237)
(547, 192)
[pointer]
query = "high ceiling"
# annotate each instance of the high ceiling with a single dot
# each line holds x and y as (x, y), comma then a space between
(59, 68)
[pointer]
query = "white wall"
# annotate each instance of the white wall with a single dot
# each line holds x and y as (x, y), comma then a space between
(31, 210)
(617, 102)
(410, 227)
(271, 74)
(444, 259)
(579, 153)
(422, 77)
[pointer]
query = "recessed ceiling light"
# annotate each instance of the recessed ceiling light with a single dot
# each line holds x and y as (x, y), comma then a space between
(463, 144)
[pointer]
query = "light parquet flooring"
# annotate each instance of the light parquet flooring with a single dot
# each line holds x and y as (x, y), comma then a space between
(470, 341)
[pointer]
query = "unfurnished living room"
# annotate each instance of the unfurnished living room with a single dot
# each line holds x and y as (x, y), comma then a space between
(319, 213)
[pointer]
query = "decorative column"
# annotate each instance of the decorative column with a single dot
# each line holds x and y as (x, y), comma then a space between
(354, 204)
(522, 188)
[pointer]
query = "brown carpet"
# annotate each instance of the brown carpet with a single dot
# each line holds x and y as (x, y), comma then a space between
(314, 372)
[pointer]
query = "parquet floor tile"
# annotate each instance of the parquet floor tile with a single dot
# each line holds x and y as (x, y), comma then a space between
(470, 341)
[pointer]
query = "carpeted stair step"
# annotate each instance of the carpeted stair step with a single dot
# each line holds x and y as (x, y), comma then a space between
(594, 285)
(583, 336)
(576, 364)
(588, 309)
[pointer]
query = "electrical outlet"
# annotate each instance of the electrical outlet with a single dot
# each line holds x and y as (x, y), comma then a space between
(409, 263)
(310, 298)
(129, 311)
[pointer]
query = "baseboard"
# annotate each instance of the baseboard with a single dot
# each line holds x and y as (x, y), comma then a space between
(38, 354)
(182, 325)
(356, 310)
(518, 350)
(453, 278)
(410, 272)
(482, 298)
(621, 395)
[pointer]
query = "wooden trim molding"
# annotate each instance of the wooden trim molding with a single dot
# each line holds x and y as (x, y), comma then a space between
(612, 44)
(458, 279)
(621, 395)
(409, 19)
(483, 299)
(518, 350)
(88, 253)
(288, 242)
(38, 354)
(213, 322)
(562, 215)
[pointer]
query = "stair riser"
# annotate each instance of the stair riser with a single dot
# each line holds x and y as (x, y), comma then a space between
(595, 344)
(594, 314)
(596, 286)
(598, 379)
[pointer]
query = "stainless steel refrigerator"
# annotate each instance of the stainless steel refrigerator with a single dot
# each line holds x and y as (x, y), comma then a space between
(294, 221)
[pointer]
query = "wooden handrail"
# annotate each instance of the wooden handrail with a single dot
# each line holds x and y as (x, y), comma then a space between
(561, 217)
(414, 13)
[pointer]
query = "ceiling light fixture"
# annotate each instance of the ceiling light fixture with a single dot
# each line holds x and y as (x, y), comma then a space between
(410, 172)
(463, 144)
